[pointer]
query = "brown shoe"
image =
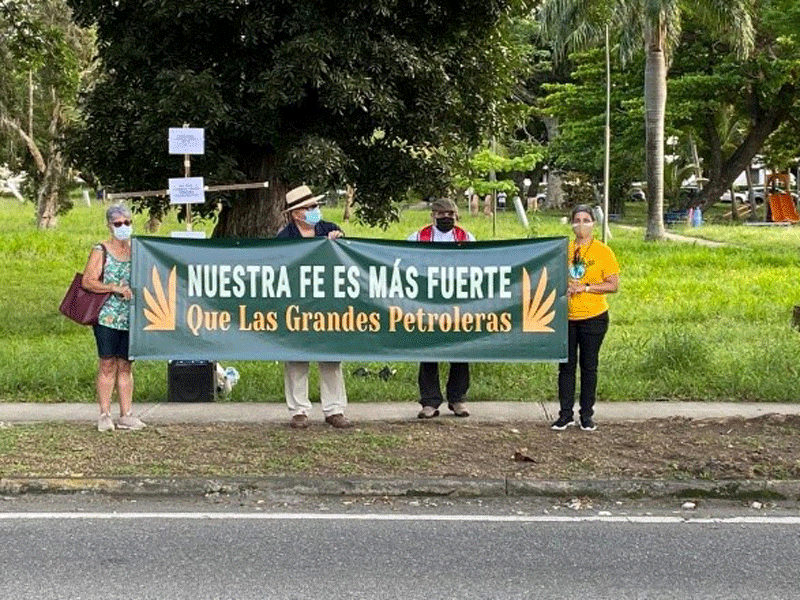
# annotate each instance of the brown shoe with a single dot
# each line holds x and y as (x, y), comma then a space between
(339, 421)
(428, 412)
(299, 422)
(459, 409)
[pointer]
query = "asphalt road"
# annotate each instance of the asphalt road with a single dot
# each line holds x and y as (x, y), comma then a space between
(415, 550)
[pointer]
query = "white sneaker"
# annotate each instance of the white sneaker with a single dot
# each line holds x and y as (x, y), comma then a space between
(104, 423)
(428, 412)
(129, 422)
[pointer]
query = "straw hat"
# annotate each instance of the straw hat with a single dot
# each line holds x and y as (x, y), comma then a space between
(301, 197)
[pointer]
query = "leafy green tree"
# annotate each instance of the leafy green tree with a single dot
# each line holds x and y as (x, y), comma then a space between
(485, 162)
(579, 106)
(44, 58)
(739, 108)
(368, 93)
(654, 27)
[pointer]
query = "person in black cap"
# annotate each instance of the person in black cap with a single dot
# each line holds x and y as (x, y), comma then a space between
(305, 220)
(443, 228)
(444, 214)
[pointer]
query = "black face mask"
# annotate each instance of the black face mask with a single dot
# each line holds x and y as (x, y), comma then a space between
(445, 224)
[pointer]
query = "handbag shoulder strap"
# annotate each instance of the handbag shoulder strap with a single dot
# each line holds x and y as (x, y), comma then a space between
(103, 265)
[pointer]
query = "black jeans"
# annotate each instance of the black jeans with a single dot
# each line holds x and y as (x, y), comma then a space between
(430, 394)
(585, 338)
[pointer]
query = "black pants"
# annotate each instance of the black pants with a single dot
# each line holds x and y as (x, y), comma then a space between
(584, 341)
(430, 394)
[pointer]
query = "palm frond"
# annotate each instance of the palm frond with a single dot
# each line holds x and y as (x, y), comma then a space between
(733, 19)
(571, 25)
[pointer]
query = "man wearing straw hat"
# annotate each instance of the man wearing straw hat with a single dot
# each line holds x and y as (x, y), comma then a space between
(305, 220)
(443, 228)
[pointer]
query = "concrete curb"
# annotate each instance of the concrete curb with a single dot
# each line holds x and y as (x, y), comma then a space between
(447, 487)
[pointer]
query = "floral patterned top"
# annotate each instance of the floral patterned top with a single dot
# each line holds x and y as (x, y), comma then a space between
(115, 311)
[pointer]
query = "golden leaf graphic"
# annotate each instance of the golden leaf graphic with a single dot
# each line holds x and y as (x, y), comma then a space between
(535, 315)
(160, 311)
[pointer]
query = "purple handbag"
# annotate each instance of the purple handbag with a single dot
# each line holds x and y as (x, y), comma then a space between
(83, 306)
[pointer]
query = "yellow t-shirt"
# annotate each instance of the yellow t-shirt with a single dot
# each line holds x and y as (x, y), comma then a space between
(595, 262)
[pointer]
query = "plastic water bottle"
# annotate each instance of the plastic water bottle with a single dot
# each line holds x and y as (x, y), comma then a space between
(697, 217)
(232, 375)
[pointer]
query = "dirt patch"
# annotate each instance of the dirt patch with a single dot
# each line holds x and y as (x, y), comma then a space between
(677, 448)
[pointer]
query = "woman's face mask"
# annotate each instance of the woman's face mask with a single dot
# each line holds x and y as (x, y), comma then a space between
(123, 233)
(583, 230)
(313, 216)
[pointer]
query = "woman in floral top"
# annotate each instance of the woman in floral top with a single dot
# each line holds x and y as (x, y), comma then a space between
(109, 270)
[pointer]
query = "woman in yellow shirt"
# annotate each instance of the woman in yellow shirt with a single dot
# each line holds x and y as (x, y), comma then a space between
(593, 273)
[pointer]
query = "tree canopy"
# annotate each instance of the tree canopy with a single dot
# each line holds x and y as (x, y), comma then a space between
(579, 106)
(653, 26)
(368, 93)
(44, 57)
(741, 107)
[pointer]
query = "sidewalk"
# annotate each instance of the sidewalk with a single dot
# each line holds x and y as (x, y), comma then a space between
(497, 412)
(677, 237)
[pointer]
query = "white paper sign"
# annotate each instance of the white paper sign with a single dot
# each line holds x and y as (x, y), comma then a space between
(196, 235)
(187, 140)
(186, 190)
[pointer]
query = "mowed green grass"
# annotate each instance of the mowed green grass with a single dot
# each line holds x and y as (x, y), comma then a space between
(690, 322)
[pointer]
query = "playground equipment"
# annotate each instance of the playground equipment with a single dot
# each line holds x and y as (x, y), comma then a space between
(781, 203)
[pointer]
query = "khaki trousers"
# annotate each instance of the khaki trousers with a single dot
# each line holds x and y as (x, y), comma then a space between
(333, 396)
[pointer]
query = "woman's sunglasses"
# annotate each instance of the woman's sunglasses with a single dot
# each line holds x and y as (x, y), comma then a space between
(121, 223)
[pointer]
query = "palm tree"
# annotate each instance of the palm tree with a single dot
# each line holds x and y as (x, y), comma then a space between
(655, 26)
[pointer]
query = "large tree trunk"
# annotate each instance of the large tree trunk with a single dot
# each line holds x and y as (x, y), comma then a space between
(50, 169)
(47, 202)
(554, 197)
(50, 191)
(257, 213)
(655, 100)
(348, 202)
(764, 123)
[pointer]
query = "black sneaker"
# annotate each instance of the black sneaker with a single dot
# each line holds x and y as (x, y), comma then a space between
(562, 423)
(587, 424)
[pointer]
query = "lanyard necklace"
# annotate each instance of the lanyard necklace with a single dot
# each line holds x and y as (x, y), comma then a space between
(576, 258)
(578, 267)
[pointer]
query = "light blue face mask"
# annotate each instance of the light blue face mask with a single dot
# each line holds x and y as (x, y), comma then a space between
(313, 216)
(123, 232)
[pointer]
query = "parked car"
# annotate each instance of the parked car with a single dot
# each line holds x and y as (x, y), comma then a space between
(741, 197)
(690, 193)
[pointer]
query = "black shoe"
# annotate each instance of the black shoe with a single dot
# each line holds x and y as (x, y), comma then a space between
(562, 423)
(587, 424)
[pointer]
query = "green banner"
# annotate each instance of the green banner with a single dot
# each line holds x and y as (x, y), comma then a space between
(349, 299)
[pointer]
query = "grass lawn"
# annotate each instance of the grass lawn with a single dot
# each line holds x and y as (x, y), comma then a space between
(690, 322)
